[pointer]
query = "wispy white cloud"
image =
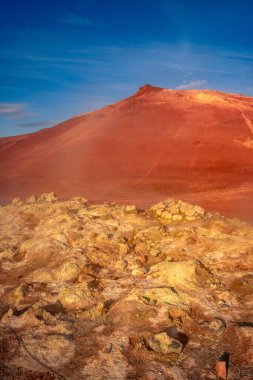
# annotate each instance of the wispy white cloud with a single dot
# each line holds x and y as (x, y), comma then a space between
(12, 110)
(90, 71)
(163, 64)
(56, 60)
(61, 84)
(35, 124)
(76, 20)
(191, 85)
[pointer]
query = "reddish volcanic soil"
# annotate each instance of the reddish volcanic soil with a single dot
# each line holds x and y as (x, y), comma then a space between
(190, 144)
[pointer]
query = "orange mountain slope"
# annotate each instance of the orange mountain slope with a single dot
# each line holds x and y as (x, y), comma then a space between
(189, 144)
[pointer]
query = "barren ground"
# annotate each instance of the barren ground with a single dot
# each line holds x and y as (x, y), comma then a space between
(107, 291)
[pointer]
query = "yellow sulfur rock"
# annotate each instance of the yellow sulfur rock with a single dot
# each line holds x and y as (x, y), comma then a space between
(166, 215)
(17, 202)
(158, 296)
(68, 272)
(190, 218)
(177, 217)
(164, 344)
(43, 276)
(121, 264)
(18, 293)
(178, 274)
(68, 299)
(123, 248)
(130, 209)
(32, 199)
(138, 272)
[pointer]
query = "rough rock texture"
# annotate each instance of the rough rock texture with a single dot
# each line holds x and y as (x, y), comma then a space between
(195, 145)
(107, 291)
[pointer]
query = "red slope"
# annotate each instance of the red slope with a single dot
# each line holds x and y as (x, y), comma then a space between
(196, 145)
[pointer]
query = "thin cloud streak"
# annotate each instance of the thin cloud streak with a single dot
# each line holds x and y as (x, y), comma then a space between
(62, 85)
(12, 109)
(191, 85)
(132, 62)
(76, 20)
(35, 124)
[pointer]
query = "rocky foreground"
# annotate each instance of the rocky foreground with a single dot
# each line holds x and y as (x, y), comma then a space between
(111, 292)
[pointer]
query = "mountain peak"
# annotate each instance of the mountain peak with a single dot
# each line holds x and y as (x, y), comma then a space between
(148, 88)
(152, 145)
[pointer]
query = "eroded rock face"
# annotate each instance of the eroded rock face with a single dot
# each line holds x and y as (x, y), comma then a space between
(110, 292)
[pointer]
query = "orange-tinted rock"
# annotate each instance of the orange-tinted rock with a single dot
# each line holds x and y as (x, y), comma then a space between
(95, 292)
(221, 370)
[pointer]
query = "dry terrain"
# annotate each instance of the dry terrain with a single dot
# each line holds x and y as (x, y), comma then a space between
(109, 292)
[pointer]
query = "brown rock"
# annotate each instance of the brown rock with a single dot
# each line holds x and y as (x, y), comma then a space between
(164, 344)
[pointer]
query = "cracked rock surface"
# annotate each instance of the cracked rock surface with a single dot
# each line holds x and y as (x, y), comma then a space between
(107, 291)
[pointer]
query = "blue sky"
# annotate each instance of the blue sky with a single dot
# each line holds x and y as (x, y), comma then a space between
(62, 58)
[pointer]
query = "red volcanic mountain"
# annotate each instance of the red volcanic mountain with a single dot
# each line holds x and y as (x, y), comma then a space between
(190, 144)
